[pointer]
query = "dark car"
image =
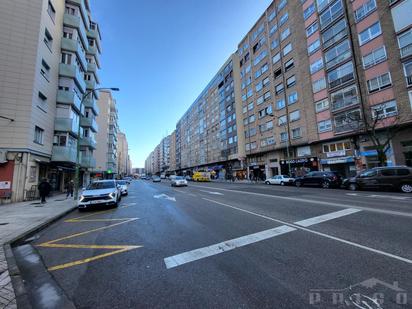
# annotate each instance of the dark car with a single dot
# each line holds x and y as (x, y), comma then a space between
(383, 178)
(324, 179)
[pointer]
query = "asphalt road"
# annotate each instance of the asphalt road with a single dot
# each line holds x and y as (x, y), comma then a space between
(218, 245)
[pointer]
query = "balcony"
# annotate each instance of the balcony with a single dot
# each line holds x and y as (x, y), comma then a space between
(111, 160)
(68, 97)
(90, 84)
(94, 34)
(93, 50)
(74, 21)
(87, 161)
(343, 103)
(88, 142)
(72, 71)
(66, 125)
(89, 123)
(92, 67)
(64, 154)
(91, 103)
(74, 46)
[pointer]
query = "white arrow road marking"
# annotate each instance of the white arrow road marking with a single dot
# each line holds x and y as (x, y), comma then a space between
(212, 192)
(164, 196)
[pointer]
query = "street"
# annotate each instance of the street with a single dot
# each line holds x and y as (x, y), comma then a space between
(224, 245)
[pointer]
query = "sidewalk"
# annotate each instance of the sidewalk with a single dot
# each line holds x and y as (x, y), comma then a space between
(18, 220)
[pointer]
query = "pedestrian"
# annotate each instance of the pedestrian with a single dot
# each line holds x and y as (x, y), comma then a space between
(44, 188)
(70, 189)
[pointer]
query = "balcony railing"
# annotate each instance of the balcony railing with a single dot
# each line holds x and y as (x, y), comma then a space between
(341, 80)
(68, 97)
(88, 161)
(89, 123)
(64, 154)
(72, 71)
(91, 103)
(75, 21)
(88, 142)
(66, 125)
(346, 102)
(74, 46)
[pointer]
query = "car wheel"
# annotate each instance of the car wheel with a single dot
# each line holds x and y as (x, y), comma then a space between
(267, 182)
(298, 184)
(406, 188)
(282, 183)
(353, 187)
(326, 185)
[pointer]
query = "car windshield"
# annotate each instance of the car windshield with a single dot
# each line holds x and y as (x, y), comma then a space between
(121, 182)
(101, 185)
(285, 176)
(179, 178)
(369, 173)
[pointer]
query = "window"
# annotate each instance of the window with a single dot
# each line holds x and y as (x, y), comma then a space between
(331, 14)
(321, 105)
(283, 136)
(338, 54)
(260, 57)
(344, 98)
(347, 121)
(262, 70)
(407, 68)
(38, 135)
(316, 65)
(370, 33)
(284, 34)
(250, 106)
(45, 70)
(277, 73)
(322, 4)
(334, 34)
(341, 75)
(282, 4)
(365, 10)
(283, 19)
(296, 133)
(51, 11)
(272, 15)
(336, 146)
(292, 98)
(266, 81)
(379, 82)
(319, 85)
(378, 55)
(324, 126)
(48, 39)
(66, 58)
(280, 104)
(276, 58)
(312, 29)
(279, 88)
(313, 47)
(291, 81)
(294, 116)
(405, 43)
(252, 118)
(274, 44)
(309, 11)
(287, 49)
(384, 110)
(289, 64)
(282, 120)
(273, 29)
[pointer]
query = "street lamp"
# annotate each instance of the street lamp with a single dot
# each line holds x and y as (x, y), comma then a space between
(77, 170)
(287, 141)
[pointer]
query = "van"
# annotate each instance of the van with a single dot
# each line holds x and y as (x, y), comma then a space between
(201, 176)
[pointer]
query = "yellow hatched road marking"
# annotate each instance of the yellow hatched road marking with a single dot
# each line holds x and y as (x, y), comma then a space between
(116, 248)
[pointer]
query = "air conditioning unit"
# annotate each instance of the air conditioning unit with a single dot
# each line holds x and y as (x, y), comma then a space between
(3, 156)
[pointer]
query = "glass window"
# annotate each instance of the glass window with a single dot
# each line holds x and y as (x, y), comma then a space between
(378, 55)
(291, 81)
(284, 34)
(283, 136)
(321, 105)
(296, 133)
(292, 97)
(344, 98)
(312, 29)
(283, 19)
(379, 82)
(347, 121)
(289, 64)
(319, 85)
(309, 11)
(282, 120)
(316, 65)
(276, 58)
(280, 104)
(365, 10)
(324, 126)
(341, 75)
(38, 135)
(384, 110)
(338, 54)
(331, 13)
(287, 49)
(279, 88)
(314, 47)
(405, 43)
(295, 115)
(335, 33)
(370, 33)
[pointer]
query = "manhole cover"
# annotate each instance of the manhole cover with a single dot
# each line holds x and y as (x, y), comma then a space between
(4, 223)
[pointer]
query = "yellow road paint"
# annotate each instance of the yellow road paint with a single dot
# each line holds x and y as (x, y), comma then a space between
(115, 248)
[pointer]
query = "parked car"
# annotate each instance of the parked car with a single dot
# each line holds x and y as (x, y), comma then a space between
(324, 179)
(189, 178)
(394, 178)
(201, 176)
(123, 186)
(280, 180)
(179, 181)
(156, 179)
(102, 192)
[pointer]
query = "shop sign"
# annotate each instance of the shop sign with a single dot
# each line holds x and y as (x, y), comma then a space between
(4, 185)
(339, 153)
(337, 160)
(298, 161)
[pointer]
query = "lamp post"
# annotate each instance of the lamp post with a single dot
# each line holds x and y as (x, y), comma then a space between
(77, 170)
(287, 141)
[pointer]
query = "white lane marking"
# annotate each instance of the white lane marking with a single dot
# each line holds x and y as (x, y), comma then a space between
(352, 194)
(389, 196)
(228, 245)
(164, 196)
(212, 192)
(296, 199)
(396, 257)
(327, 217)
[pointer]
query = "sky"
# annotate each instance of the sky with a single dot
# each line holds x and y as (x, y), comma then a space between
(162, 54)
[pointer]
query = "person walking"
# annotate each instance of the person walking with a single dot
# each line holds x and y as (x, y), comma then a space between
(70, 189)
(44, 188)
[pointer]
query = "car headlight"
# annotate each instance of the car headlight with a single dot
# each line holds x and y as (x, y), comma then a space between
(81, 198)
(112, 195)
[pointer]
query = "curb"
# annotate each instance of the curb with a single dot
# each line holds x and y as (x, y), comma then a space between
(20, 292)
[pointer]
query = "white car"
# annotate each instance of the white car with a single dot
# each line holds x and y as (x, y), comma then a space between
(123, 186)
(280, 180)
(103, 192)
(179, 181)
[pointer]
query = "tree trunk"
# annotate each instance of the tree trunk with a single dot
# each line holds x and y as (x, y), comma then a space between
(381, 157)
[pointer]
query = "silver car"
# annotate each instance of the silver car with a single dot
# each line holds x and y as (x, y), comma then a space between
(178, 181)
(103, 192)
(123, 186)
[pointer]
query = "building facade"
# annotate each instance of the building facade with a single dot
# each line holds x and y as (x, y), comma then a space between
(57, 46)
(122, 154)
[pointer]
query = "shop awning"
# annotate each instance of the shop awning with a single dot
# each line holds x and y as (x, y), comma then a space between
(337, 160)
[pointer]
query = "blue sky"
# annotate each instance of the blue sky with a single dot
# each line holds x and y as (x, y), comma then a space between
(161, 54)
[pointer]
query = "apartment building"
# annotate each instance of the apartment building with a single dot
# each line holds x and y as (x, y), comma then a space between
(172, 151)
(107, 140)
(57, 45)
(123, 155)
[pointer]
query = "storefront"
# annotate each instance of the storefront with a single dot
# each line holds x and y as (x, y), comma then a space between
(342, 165)
(299, 166)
